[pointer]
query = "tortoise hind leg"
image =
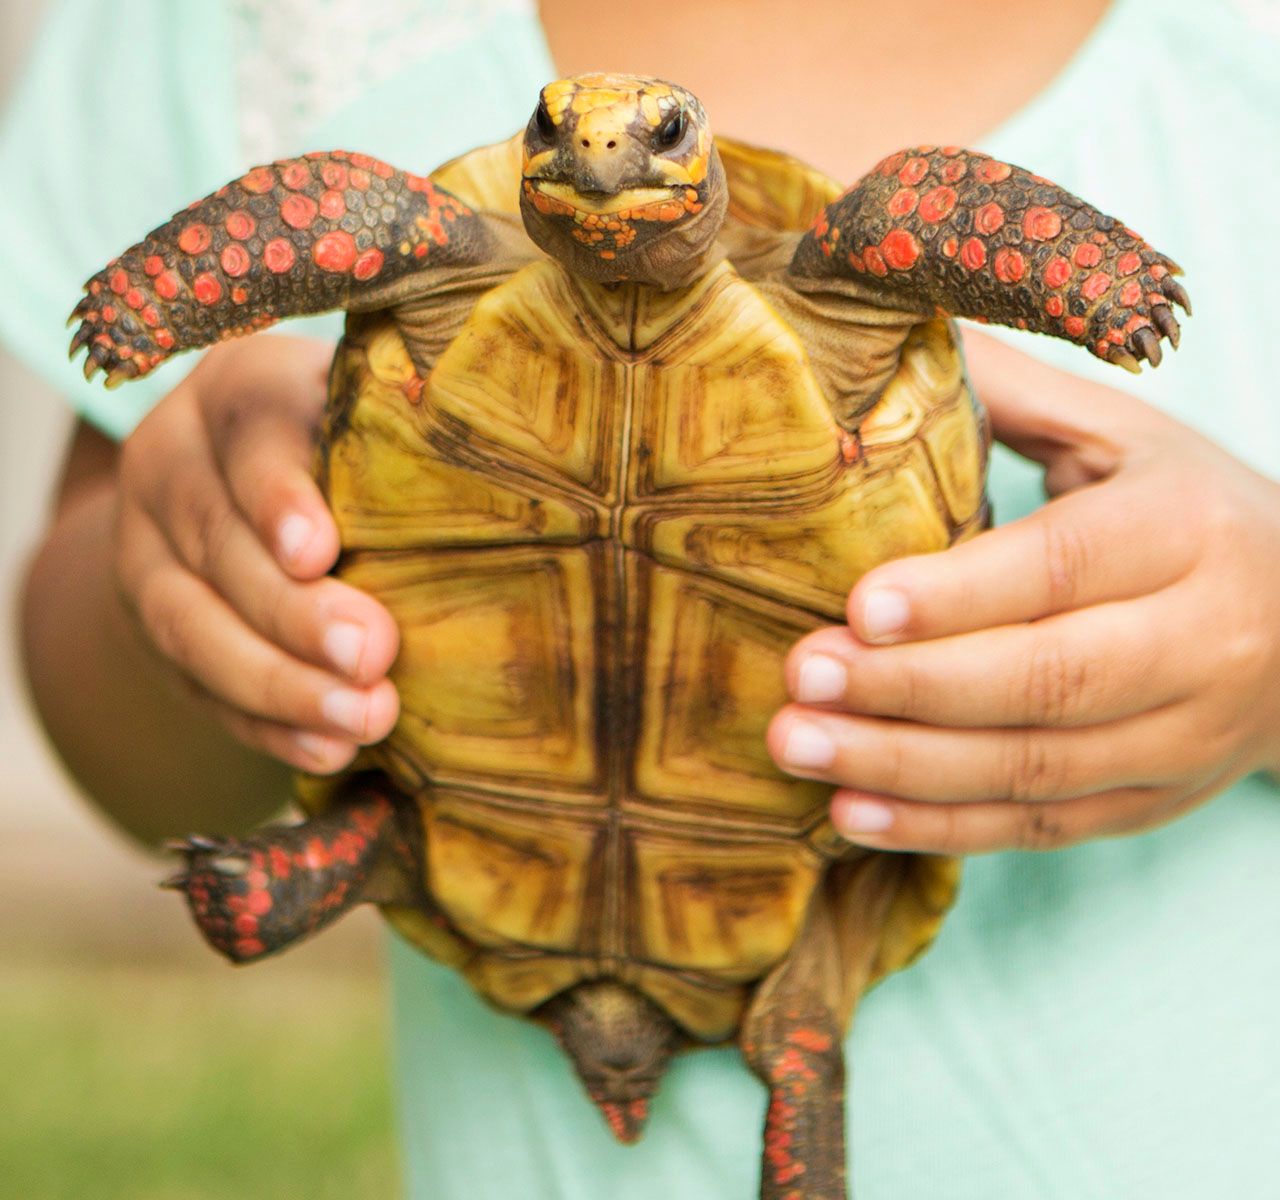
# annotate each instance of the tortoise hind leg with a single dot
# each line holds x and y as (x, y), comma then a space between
(254, 896)
(620, 1043)
(793, 1033)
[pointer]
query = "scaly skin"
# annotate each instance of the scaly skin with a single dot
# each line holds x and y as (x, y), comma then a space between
(962, 234)
(799, 1056)
(254, 896)
(305, 235)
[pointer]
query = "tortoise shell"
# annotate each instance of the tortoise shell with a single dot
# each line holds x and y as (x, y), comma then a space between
(601, 522)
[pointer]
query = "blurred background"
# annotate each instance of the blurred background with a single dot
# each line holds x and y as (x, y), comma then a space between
(133, 1063)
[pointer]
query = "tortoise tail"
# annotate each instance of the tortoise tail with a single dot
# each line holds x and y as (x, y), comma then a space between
(620, 1042)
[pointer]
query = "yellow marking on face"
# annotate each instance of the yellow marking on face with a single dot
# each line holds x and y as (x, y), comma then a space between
(649, 107)
(534, 163)
(616, 203)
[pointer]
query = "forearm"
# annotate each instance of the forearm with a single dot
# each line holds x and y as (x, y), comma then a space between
(138, 741)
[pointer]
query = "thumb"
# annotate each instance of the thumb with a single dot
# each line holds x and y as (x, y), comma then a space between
(1080, 431)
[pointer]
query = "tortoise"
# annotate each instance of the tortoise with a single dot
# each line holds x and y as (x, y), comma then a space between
(620, 412)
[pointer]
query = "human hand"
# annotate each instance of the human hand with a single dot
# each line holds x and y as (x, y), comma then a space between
(222, 542)
(1096, 668)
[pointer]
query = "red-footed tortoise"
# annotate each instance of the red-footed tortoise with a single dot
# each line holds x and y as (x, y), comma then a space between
(621, 413)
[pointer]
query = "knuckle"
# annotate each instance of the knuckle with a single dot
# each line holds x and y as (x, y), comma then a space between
(1034, 772)
(167, 624)
(212, 524)
(1055, 683)
(1040, 828)
(893, 768)
(275, 686)
(1067, 555)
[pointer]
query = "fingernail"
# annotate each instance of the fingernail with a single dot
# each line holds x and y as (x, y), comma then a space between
(808, 746)
(821, 678)
(852, 817)
(343, 645)
(885, 611)
(292, 535)
(347, 708)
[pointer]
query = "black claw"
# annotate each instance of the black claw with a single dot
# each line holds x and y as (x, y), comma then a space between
(1122, 358)
(1175, 291)
(1147, 343)
(175, 883)
(81, 337)
(1164, 320)
(198, 842)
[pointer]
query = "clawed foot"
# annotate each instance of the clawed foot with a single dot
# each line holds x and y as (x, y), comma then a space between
(1135, 312)
(228, 885)
(254, 896)
(122, 326)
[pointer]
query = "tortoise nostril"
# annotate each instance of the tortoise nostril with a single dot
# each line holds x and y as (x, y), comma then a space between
(586, 143)
(610, 145)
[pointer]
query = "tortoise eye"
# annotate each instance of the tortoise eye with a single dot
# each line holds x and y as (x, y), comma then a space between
(546, 126)
(672, 132)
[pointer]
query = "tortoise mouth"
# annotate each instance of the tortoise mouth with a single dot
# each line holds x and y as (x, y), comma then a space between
(601, 203)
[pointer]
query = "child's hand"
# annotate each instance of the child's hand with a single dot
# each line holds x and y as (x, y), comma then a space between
(222, 544)
(1096, 668)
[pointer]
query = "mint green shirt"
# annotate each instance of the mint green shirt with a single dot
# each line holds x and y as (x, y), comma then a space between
(1095, 1023)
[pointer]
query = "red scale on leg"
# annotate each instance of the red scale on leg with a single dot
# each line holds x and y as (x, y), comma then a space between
(1032, 236)
(225, 298)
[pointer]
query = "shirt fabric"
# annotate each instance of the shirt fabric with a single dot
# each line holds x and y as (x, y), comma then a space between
(1091, 1023)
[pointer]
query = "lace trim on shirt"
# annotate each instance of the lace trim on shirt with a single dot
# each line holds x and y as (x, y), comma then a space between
(299, 61)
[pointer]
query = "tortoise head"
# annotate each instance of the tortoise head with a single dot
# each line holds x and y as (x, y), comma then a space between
(621, 180)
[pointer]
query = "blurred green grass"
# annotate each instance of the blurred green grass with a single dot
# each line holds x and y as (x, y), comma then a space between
(147, 1083)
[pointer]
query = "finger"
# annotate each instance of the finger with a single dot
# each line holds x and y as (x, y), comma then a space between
(1080, 668)
(923, 762)
(324, 622)
(1080, 549)
(195, 629)
(892, 824)
(316, 753)
(262, 420)
(1045, 413)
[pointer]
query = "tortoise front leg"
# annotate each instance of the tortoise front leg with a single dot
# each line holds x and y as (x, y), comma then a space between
(254, 896)
(959, 233)
(304, 235)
